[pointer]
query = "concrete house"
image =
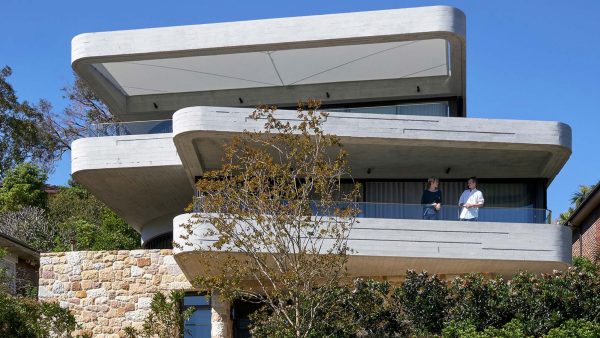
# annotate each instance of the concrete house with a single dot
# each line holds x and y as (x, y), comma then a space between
(394, 82)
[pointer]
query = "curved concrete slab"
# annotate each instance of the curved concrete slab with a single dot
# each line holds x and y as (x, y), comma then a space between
(140, 177)
(389, 247)
(395, 146)
(91, 52)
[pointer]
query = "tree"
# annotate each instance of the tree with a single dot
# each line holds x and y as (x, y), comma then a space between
(85, 223)
(564, 216)
(576, 199)
(85, 109)
(30, 225)
(269, 229)
(23, 135)
(23, 186)
(581, 194)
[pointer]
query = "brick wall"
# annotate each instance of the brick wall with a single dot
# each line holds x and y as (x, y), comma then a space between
(108, 290)
(27, 276)
(586, 239)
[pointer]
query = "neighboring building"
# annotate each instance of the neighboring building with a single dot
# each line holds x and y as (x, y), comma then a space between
(585, 221)
(21, 263)
(395, 84)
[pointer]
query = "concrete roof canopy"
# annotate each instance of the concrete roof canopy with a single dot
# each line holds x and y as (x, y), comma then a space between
(150, 73)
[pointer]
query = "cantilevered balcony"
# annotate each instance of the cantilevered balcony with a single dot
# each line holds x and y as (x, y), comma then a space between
(145, 171)
(388, 239)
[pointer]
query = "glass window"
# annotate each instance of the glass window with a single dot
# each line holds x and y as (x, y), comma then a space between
(423, 109)
(198, 325)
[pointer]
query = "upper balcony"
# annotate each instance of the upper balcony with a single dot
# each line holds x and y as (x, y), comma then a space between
(396, 146)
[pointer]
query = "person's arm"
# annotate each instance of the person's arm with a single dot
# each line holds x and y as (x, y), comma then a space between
(438, 200)
(423, 197)
(461, 200)
(478, 201)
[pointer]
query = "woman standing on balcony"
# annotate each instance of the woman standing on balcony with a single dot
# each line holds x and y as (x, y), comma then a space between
(432, 200)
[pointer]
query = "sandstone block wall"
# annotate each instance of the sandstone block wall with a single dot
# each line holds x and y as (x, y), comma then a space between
(108, 290)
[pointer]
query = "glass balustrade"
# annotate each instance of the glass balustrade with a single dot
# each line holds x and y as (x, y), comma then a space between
(416, 211)
(421, 109)
(166, 126)
(131, 128)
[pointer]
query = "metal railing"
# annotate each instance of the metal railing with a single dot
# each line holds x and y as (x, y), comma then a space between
(417, 211)
(131, 128)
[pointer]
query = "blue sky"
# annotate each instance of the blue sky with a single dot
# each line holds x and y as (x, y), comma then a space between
(535, 60)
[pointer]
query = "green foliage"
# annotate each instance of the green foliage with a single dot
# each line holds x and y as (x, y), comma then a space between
(573, 328)
(165, 319)
(576, 199)
(30, 225)
(23, 135)
(260, 206)
(425, 300)
(579, 328)
(366, 309)
(479, 300)
(23, 186)
(25, 317)
(561, 304)
(4, 278)
(585, 265)
(581, 194)
(466, 329)
(543, 302)
(85, 223)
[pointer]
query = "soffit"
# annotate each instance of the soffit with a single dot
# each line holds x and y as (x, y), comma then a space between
(160, 70)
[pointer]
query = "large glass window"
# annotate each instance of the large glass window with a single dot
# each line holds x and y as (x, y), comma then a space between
(497, 194)
(423, 109)
(521, 201)
(198, 325)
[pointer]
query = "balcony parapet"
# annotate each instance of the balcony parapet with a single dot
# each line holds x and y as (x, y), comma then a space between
(389, 247)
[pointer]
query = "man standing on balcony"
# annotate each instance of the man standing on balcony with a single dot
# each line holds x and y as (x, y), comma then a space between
(470, 201)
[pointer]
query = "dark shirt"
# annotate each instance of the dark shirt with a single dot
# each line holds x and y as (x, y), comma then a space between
(430, 197)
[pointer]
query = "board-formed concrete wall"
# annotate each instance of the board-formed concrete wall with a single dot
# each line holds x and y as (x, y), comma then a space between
(108, 290)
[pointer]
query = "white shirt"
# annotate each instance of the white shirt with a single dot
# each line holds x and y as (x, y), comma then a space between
(471, 197)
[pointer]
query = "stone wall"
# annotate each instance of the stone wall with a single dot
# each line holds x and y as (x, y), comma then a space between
(108, 290)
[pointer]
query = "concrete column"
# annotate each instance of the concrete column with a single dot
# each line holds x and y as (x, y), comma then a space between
(221, 323)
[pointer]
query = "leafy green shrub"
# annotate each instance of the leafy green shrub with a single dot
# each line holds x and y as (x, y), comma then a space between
(25, 317)
(482, 302)
(546, 301)
(575, 329)
(585, 265)
(85, 223)
(424, 299)
(364, 309)
(512, 329)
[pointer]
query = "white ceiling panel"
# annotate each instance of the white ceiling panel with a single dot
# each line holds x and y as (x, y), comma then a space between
(383, 61)
(280, 68)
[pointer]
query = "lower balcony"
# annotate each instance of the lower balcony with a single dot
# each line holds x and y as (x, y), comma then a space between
(389, 239)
